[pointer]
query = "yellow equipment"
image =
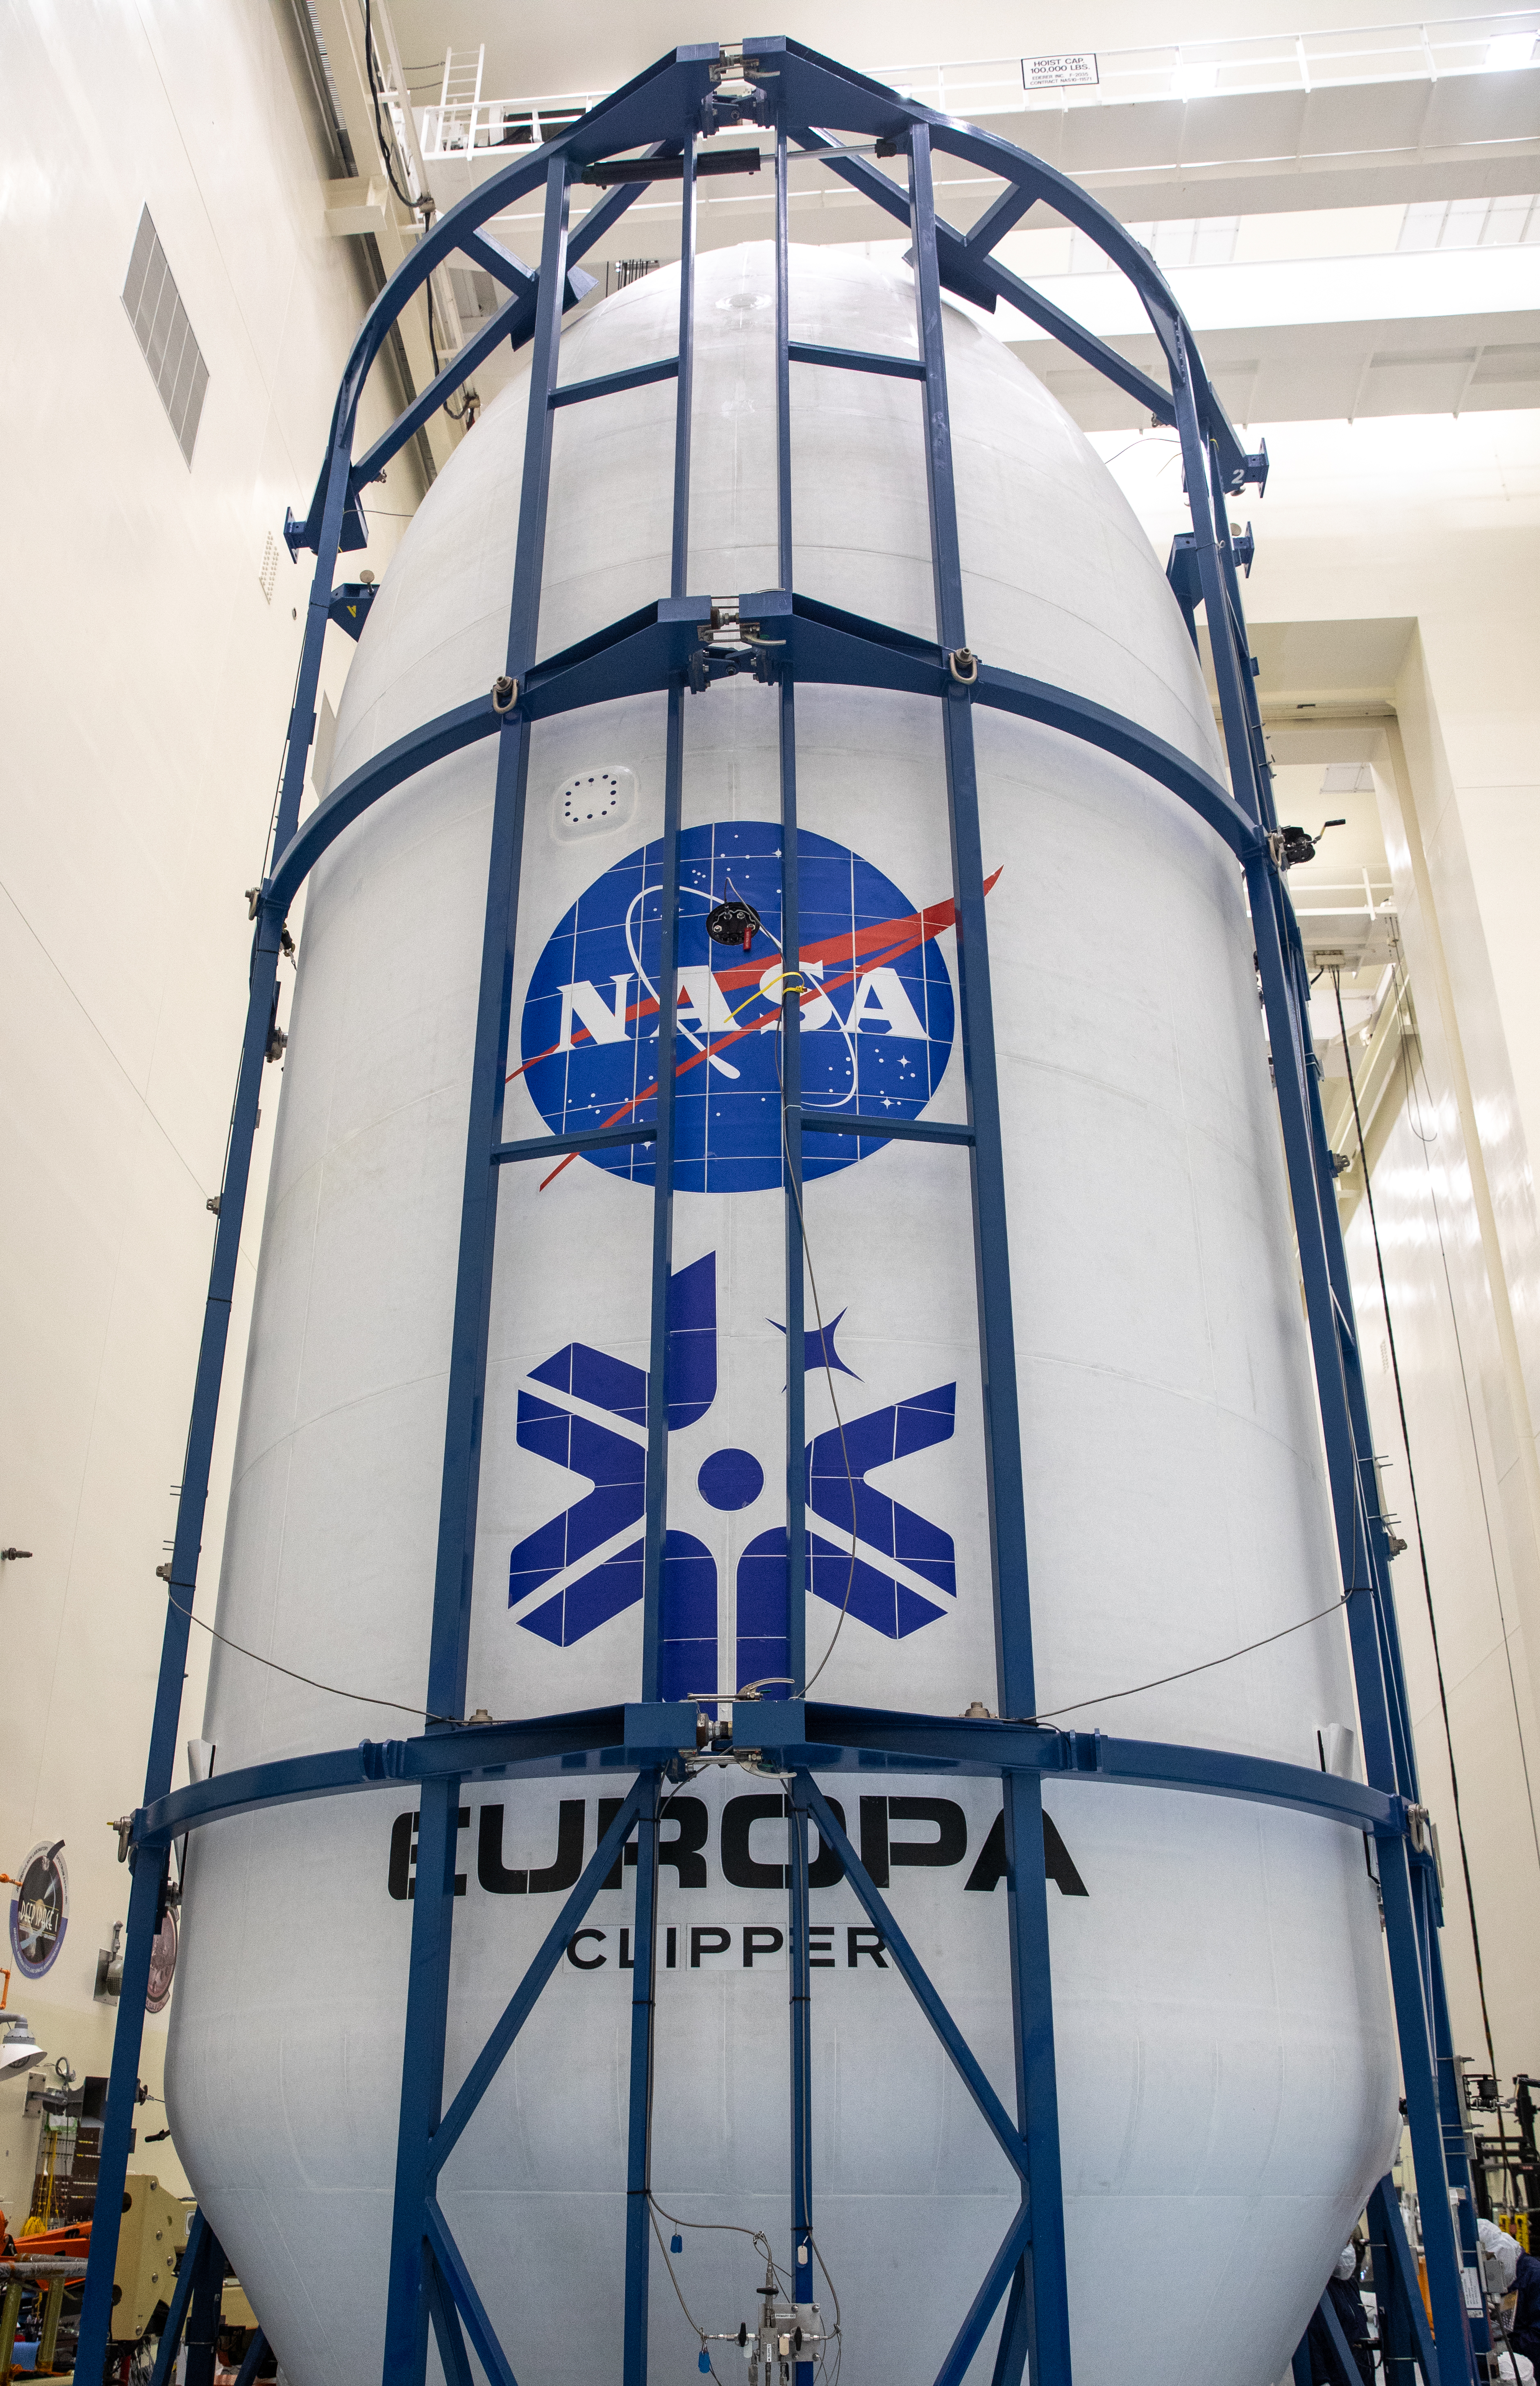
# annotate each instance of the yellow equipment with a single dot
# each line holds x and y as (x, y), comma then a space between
(152, 2235)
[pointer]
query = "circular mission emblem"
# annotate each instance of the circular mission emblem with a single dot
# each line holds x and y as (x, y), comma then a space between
(39, 1910)
(876, 1008)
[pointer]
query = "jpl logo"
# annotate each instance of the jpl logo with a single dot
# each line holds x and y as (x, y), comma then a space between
(875, 1007)
(569, 1577)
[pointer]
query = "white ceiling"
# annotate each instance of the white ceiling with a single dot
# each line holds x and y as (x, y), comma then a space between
(595, 48)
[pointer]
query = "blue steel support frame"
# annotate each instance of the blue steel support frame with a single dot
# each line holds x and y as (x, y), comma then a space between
(666, 648)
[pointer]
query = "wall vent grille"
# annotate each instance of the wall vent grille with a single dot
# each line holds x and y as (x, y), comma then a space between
(160, 325)
(269, 573)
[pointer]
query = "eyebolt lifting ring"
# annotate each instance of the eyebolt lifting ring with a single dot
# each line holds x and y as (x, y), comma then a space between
(964, 665)
(505, 695)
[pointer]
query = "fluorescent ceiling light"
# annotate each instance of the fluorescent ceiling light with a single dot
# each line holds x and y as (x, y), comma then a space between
(1189, 82)
(1510, 50)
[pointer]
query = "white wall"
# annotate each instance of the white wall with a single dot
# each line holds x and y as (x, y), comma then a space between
(147, 682)
(1396, 594)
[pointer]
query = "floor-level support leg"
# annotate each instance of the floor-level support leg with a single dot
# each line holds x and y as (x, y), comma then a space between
(644, 2013)
(800, 2006)
(1045, 2303)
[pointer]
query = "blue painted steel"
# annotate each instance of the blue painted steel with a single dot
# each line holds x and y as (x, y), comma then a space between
(589, 1138)
(1047, 2330)
(1405, 2338)
(799, 1992)
(516, 2013)
(648, 652)
(644, 2013)
(467, 2303)
(791, 1121)
(905, 1130)
(804, 352)
(1011, 2141)
(447, 2332)
(1012, 2261)
(575, 393)
(192, 2256)
(611, 1740)
(434, 1904)
(252, 2360)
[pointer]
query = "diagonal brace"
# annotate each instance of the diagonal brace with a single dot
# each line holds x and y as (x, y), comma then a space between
(969, 2337)
(521, 2003)
(1009, 2138)
(462, 2287)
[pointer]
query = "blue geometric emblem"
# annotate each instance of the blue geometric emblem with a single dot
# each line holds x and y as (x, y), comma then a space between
(599, 1581)
(876, 1008)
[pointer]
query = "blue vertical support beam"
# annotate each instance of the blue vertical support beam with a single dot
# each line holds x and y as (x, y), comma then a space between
(799, 1995)
(790, 990)
(1451, 2109)
(644, 2007)
(800, 1978)
(144, 1899)
(1227, 666)
(1040, 2329)
(1230, 585)
(408, 2307)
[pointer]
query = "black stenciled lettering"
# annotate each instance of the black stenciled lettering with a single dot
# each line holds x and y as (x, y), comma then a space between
(739, 1817)
(401, 1880)
(707, 1938)
(860, 1942)
(950, 1844)
(683, 1849)
(492, 1873)
(821, 1940)
(563, 1873)
(874, 1840)
(403, 1856)
(583, 1963)
(627, 1963)
(1059, 1865)
(761, 1938)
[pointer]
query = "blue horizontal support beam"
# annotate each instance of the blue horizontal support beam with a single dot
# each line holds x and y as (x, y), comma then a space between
(905, 1130)
(591, 1138)
(574, 393)
(641, 654)
(862, 360)
(604, 1740)
(599, 1739)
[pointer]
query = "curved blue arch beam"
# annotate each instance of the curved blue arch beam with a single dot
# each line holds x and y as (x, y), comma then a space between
(673, 91)
(647, 650)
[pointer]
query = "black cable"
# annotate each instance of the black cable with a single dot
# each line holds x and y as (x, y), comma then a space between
(363, 1697)
(1421, 1546)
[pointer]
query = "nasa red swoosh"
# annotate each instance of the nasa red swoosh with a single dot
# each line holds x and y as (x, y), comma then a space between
(876, 947)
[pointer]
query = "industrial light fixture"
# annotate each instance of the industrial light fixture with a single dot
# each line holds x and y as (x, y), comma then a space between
(19, 2048)
(1509, 50)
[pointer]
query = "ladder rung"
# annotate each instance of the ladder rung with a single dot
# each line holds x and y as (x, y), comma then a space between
(802, 352)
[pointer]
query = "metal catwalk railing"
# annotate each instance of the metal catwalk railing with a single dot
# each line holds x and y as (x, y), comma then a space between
(675, 647)
(1229, 67)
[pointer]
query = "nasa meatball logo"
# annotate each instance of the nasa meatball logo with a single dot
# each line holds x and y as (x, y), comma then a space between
(876, 1008)
(39, 1910)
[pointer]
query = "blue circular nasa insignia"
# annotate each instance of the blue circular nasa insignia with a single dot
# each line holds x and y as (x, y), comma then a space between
(877, 1017)
(40, 1909)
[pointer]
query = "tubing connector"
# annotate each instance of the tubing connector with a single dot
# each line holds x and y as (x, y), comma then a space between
(505, 695)
(963, 663)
